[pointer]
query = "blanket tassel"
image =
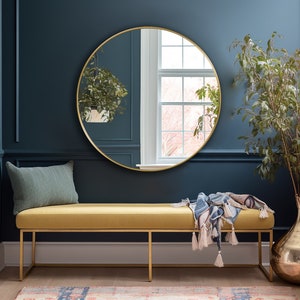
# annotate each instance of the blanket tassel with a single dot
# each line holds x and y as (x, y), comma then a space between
(194, 242)
(263, 214)
(219, 260)
(231, 237)
(202, 241)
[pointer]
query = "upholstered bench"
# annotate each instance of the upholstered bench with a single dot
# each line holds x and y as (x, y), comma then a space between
(45, 200)
(120, 217)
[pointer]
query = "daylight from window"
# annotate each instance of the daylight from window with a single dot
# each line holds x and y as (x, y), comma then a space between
(175, 123)
(182, 70)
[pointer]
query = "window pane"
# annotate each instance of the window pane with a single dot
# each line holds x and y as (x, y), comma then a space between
(193, 58)
(191, 85)
(171, 58)
(191, 143)
(191, 116)
(169, 38)
(207, 63)
(171, 145)
(208, 121)
(186, 42)
(171, 89)
(171, 117)
(211, 80)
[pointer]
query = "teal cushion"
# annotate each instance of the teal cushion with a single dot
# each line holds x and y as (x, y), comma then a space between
(42, 186)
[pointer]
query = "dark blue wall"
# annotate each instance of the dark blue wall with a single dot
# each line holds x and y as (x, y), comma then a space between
(120, 139)
(56, 38)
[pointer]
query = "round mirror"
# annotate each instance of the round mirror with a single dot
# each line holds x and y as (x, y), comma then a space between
(148, 98)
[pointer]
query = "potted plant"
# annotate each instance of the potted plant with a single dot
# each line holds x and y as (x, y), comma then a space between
(100, 90)
(272, 109)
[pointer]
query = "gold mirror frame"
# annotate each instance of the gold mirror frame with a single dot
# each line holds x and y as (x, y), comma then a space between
(113, 108)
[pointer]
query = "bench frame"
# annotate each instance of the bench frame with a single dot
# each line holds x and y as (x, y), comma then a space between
(268, 272)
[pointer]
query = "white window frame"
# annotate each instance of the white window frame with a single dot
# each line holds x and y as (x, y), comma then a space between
(150, 104)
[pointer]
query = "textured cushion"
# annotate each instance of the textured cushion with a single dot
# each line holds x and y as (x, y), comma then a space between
(42, 186)
(125, 216)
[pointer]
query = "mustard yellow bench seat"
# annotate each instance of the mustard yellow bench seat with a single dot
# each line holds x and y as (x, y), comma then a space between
(129, 217)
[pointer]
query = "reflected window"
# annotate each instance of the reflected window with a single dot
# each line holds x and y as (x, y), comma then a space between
(164, 99)
(172, 70)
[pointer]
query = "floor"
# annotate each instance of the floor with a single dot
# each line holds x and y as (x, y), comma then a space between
(116, 276)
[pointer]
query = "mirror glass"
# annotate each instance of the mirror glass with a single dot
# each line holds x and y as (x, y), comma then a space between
(148, 98)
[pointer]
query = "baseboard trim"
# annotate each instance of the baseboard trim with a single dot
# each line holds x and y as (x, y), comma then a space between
(2, 260)
(131, 253)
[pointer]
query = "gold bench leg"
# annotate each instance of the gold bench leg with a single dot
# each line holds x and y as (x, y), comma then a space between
(268, 273)
(270, 254)
(21, 263)
(150, 256)
(21, 275)
(259, 249)
(33, 248)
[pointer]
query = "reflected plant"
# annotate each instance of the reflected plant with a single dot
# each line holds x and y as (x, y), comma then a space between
(100, 90)
(212, 110)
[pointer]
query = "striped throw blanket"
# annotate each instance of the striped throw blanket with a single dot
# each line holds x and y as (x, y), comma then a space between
(210, 211)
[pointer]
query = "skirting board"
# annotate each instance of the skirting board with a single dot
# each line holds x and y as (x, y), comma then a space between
(132, 253)
(2, 263)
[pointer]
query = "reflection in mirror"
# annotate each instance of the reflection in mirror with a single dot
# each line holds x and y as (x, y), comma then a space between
(100, 94)
(148, 99)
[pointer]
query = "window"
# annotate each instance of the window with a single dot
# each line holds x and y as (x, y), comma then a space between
(172, 70)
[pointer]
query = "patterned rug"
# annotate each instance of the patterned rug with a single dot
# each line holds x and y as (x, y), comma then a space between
(157, 293)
